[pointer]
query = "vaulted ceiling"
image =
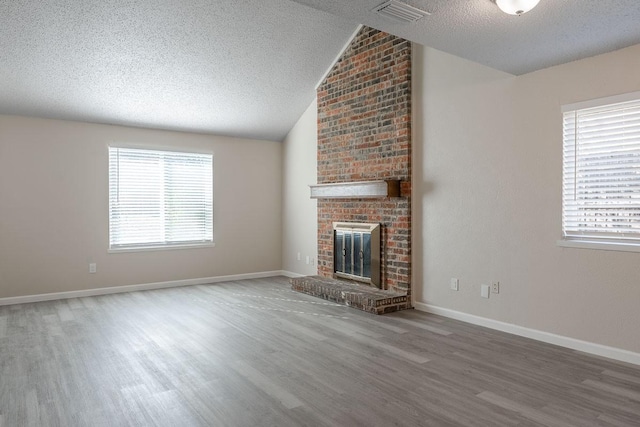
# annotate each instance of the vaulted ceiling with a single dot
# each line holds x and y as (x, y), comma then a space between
(554, 32)
(249, 68)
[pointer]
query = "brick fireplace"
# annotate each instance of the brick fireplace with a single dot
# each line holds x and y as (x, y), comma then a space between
(364, 134)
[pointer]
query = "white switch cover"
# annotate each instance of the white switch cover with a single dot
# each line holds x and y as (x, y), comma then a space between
(92, 267)
(299, 257)
(455, 284)
(484, 291)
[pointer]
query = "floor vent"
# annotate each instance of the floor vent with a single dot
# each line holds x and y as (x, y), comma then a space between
(400, 11)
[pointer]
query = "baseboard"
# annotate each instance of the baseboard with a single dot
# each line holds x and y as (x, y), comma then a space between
(141, 287)
(572, 343)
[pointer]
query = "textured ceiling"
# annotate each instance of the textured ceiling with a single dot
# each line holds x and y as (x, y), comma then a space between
(555, 32)
(249, 68)
(245, 68)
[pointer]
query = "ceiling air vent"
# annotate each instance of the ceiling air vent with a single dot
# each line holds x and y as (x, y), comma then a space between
(400, 11)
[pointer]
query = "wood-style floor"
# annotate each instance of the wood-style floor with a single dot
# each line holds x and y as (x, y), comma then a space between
(254, 353)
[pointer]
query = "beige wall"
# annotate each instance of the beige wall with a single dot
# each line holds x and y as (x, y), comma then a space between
(487, 183)
(54, 203)
(299, 212)
(487, 170)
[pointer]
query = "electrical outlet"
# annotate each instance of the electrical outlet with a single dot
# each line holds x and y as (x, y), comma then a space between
(299, 256)
(454, 284)
(495, 287)
(308, 260)
(484, 291)
(92, 267)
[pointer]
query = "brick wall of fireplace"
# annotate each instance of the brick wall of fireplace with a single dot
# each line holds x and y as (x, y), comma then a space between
(364, 133)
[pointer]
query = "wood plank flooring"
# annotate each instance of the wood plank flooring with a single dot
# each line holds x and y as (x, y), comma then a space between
(255, 353)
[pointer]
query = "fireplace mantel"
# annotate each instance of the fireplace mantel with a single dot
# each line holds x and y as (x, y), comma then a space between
(356, 190)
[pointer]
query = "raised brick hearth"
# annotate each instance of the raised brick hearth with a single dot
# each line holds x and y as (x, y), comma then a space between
(362, 297)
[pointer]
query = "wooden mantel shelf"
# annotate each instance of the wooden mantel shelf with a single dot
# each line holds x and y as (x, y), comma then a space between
(356, 190)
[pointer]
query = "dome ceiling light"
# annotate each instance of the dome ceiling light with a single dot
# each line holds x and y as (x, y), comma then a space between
(516, 7)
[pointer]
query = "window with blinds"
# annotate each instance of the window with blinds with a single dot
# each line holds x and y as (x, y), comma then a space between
(601, 171)
(159, 198)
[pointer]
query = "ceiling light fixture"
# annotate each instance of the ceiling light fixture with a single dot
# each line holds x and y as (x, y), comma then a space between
(516, 7)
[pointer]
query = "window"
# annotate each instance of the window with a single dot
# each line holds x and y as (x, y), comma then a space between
(601, 171)
(159, 198)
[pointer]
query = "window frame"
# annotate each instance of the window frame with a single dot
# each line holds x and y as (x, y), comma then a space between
(594, 242)
(154, 246)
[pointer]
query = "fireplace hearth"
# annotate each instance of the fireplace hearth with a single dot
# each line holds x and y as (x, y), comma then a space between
(351, 294)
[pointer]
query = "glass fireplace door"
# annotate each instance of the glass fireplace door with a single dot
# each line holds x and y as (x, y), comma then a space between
(355, 249)
(347, 246)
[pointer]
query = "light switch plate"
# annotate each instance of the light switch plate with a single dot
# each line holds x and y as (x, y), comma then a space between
(484, 291)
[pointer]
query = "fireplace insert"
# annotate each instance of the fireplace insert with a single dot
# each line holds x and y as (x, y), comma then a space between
(356, 252)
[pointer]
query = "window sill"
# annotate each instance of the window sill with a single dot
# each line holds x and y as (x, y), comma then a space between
(161, 248)
(603, 246)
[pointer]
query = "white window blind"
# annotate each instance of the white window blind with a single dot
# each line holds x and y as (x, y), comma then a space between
(601, 172)
(159, 198)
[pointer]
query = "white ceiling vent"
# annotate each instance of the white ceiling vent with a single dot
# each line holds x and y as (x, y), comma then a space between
(399, 11)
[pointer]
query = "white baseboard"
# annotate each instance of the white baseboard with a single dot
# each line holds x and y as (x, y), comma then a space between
(572, 343)
(132, 288)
